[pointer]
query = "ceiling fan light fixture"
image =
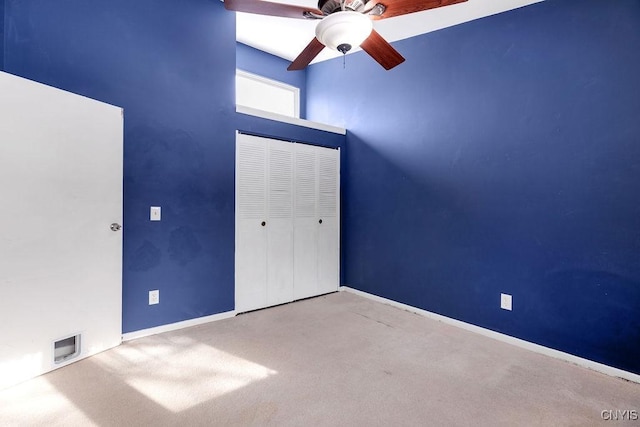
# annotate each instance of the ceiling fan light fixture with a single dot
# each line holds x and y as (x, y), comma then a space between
(344, 28)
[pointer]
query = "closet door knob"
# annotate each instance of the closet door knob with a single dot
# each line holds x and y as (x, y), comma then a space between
(320, 222)
(263, 223)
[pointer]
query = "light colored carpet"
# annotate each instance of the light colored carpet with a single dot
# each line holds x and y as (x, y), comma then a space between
(334, 360)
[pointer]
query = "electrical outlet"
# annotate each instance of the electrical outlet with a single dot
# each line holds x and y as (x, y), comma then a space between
(506, 301)
(155, 213)
(154, 297)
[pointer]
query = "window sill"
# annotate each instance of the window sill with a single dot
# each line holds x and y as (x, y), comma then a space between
(290, 120)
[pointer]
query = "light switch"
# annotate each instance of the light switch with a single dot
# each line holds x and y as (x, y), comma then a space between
(154, 214)
(506, 302)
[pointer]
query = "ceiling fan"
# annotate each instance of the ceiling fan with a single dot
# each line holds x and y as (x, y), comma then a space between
(343, 24)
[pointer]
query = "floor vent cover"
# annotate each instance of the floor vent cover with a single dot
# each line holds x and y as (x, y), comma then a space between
(66, 349)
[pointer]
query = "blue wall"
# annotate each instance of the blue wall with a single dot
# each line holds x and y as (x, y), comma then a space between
(258, 62)
(502, 156)
(1, 35)
(171, 65)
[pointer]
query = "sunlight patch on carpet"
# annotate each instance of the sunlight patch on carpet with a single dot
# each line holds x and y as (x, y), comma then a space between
(40, 402)
(167, 375)
(16, 370)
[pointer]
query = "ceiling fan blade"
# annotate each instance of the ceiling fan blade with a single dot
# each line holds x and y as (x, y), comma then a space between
(380, 50)
(403, 7)
(260, 7)
(306, 56)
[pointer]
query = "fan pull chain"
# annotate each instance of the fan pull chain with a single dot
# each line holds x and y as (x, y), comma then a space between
(344, 62)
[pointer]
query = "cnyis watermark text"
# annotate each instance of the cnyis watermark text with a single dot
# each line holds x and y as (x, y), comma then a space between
(619, 415)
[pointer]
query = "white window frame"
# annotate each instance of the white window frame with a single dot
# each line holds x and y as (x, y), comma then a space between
(273, 84)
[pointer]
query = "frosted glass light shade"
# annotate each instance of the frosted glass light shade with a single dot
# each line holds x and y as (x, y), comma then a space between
(345, 27)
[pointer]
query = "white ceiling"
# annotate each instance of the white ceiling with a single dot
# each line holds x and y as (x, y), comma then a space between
(287, 37)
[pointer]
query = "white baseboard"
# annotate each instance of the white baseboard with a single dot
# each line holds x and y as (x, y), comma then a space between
(586, 363)
(175, 326)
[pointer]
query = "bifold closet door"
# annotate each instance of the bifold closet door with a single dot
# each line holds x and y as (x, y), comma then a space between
(264, 222)
(328, 220)
(306, 222)
(316, 225)
(251, 234)
(279, 222)
(287, 221)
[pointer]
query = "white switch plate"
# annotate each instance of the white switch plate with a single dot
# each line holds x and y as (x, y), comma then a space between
(154, 297)
(506, 301)
(154, 213)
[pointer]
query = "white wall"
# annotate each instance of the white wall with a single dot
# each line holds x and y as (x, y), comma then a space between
(60, 189)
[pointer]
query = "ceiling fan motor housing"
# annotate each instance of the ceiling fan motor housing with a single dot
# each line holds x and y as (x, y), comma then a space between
(330, 6)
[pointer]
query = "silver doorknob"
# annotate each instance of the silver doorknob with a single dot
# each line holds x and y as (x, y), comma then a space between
(115, 227)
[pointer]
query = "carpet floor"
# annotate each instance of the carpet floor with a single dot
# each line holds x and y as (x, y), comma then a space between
(335, 360)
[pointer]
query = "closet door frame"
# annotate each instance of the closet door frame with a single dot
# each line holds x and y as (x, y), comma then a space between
(274, 264)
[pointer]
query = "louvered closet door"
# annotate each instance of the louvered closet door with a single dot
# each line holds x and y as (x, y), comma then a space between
(317, 225)
(287, 221)
(328, 162)
(264, 222)
(306, 222)
(251, 214)
(280, 222)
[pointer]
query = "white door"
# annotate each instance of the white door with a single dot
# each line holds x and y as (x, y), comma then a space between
(264, 222)
(317, 225)
(251, 221)
(306, 222)
(328, 220)
(280, 223)
(60, 262)
(287, 221)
